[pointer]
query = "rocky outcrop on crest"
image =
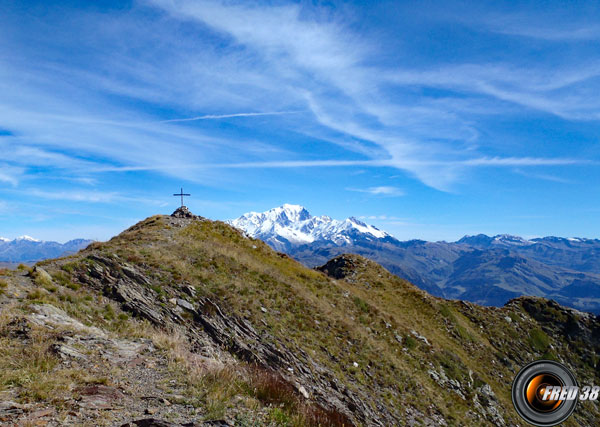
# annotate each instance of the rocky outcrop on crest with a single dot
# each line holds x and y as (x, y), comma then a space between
(183, 212)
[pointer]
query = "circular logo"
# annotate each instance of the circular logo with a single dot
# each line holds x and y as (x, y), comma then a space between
(544, 393)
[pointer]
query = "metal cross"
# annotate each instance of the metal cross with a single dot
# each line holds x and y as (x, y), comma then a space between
(181, 193)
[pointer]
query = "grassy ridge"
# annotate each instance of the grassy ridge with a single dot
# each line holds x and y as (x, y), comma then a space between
(413, 355)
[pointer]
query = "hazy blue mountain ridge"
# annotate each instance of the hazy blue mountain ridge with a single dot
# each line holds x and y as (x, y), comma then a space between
(28, 249)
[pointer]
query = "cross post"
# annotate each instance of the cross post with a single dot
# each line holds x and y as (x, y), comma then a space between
(181, 194)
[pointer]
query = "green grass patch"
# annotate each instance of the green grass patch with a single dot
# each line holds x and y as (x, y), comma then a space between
(447, 313)
(452, 365)
(109, 312)
(158, 289)
(360, 304)
(514, 317)
(410, 342)
(538, 340)
(279, 417)
(36, 295)
(464, 334)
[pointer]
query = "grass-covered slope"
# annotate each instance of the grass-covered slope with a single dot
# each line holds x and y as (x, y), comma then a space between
(241, 333)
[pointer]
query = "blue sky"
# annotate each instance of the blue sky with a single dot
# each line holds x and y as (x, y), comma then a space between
(429, 119)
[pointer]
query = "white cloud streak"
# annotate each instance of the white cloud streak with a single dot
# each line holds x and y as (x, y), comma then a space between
(229, 116)
(548, 25)
(92, 197)
(481, 162)
(553, 34)
(10, 174)
(380, 191)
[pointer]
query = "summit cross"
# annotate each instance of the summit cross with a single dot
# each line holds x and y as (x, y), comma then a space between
(181, 194)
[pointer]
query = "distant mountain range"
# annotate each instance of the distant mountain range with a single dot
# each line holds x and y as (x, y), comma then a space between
(27, 249)
(484, 269)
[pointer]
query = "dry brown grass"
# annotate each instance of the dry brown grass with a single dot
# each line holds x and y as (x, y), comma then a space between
(197, 369)
(270, 387)
(7, 314)
(319, 417)
(28, 364)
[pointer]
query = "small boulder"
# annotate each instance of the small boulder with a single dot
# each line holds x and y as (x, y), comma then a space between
(184, 304)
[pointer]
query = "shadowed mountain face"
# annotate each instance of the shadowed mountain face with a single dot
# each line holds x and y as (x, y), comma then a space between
(190, 320)
(27, 249)
(482, 269)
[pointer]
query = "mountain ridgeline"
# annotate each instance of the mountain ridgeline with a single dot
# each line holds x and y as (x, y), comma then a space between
(27, 249)
(184, 321)
(481, 269)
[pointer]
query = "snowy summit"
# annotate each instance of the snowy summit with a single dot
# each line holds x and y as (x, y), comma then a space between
(294, 225)
(27, 238)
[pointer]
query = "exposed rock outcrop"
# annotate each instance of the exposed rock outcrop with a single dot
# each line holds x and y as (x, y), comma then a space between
(213, 331)
(183, 212)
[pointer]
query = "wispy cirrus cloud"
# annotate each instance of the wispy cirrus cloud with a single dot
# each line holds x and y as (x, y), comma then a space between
(293, 164)
(585, 33)
(307, 71)
(229, 116)
(380, 191)
(545, 177)
(383, 217)
(348, 96)
(10, 174)
(77, 195)
(536, 87)
(550, 25)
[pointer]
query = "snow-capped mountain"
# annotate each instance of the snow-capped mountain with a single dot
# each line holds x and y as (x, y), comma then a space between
(29, 249)
(27, 239)
(506, 240)
(512, 242)
(292, 225)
